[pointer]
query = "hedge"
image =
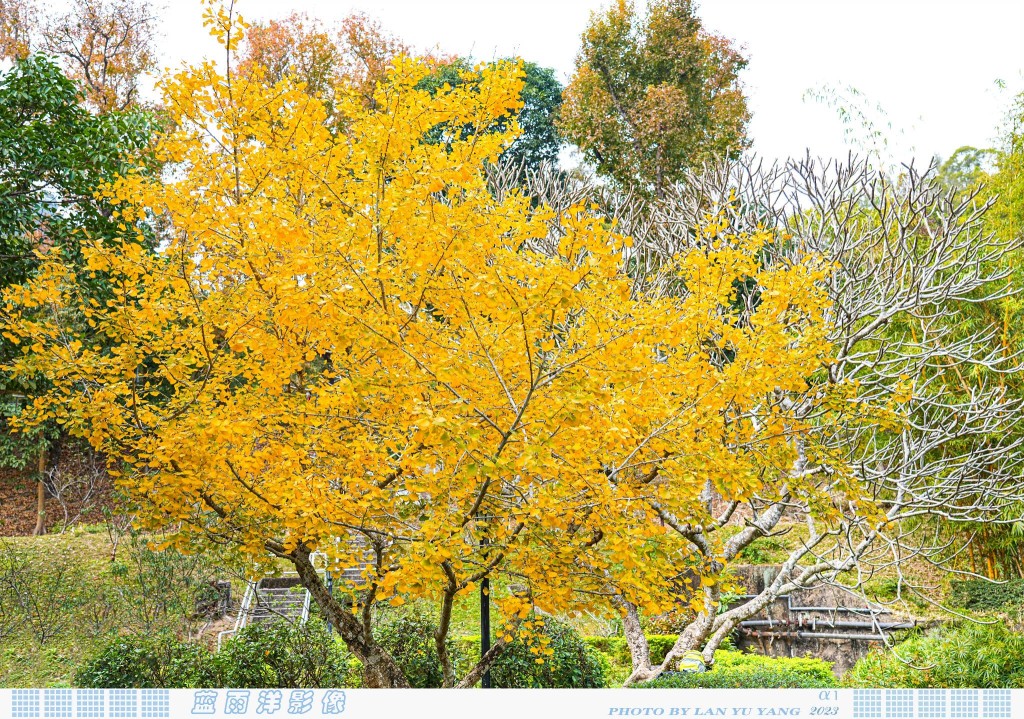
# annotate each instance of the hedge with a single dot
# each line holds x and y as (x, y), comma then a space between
(617, 650)
(261, 655)
(981, 595)
(555, 656)
(741, 678)
(737, 670)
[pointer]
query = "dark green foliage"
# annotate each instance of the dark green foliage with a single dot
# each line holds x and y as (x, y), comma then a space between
(980, 595)
(54, 155)
(541, 95)
(279, 654)
(147, 661)
(275, 654)
(575, 662)
(540, 142)
(954, 656)
(409, 637)
(572, 664)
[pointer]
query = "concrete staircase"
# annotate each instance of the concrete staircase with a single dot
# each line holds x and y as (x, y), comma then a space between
(271, 599)
(275, 599)
(283, 598)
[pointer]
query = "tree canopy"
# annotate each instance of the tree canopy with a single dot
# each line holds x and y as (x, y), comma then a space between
(653, 95)
(104, 46)
(54, 155)
(347, 343)
(537, 141)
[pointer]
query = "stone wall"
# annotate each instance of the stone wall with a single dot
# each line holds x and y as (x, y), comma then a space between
(824, 622)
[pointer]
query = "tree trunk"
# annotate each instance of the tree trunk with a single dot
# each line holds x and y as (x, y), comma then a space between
(41, 497)
(486, 662)
(639, 649)
(692, 637)
(380, 671)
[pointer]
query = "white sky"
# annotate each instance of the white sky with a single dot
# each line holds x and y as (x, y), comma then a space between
(931, 64)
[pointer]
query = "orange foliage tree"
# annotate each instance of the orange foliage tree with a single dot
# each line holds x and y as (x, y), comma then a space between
(654, 95)
(298, 46)
(17, 19)
(357, 53)
(105, 46)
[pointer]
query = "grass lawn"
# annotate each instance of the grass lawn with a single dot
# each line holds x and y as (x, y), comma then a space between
(24, 659)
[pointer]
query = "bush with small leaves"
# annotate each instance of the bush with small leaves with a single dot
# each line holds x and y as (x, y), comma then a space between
(150, 661)
(45, 589)
(161, 588)
(408, 636)
(550, 655)
(280, 654)
(981, 595)
(617, 650)
(736, 670)
(741, 678)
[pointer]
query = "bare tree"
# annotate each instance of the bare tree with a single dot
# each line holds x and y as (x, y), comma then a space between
(79, 483)
(926, 429)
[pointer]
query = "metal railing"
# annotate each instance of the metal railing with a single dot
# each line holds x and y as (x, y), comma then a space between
(251, 608)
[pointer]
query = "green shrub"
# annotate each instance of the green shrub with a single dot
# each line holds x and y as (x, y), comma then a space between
(151, 661)
(740, 678)
(274, 654)
(162, 588)
(408, 637)
(765, 550)
(981, 596)
(954, 656)
(557, 657)
(734, 669)
(617, 650)
(815, 669)
(280, 654)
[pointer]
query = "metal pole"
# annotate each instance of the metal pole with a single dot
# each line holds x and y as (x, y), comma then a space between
(485, 620)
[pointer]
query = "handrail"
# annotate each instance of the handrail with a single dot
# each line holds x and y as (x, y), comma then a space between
(251, 598)
(243, 611)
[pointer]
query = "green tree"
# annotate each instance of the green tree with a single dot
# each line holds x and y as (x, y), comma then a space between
(654, 94)
(996, 550)
(965, 168)
(54, 154)
(541, 96)
(1007, 182)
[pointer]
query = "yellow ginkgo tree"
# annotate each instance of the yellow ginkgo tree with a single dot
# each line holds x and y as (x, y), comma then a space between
(347, 343)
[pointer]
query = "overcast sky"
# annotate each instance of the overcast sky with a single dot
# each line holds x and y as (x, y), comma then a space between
(933, 65)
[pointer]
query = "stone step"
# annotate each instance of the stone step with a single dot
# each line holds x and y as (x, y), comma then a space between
(277, 598)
